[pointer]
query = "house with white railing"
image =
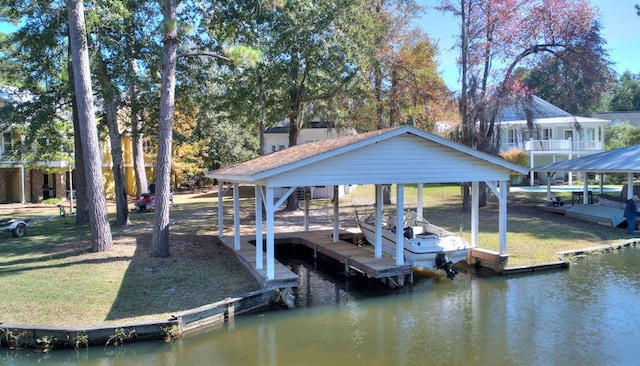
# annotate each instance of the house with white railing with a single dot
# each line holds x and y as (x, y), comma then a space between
(556, 135)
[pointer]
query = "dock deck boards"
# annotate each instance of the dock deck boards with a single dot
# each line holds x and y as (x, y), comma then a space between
(321, 241)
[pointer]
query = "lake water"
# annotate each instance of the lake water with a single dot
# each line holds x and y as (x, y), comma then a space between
(587, 315)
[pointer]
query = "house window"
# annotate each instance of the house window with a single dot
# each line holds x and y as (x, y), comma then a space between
(42, 141)
(7, 141)
(273, 148)
(280, 147)
(568, 135)
(148, 147)
(547, 134)
(528, 135)
(590, 134)
(511, 136)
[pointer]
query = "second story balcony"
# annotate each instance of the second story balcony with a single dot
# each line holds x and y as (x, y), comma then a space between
(555, 146)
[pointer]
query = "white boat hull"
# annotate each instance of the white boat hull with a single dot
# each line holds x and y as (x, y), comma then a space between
(425, 242)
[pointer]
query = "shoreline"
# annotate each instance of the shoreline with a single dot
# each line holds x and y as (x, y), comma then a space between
(47, 338)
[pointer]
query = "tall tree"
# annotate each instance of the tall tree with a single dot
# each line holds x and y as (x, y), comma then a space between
(497, 37)
(137, 133)
(574, 78)
(101, 239)
(109, 94)
(625, 95)
(310, 53)
(160, 246)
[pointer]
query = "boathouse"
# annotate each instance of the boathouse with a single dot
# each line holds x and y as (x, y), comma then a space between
(401, 155)
(597, 206)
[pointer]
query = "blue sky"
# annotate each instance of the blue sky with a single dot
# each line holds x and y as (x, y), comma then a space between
(621, 30)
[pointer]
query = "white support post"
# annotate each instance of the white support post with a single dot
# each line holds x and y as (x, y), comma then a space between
(270, 234)
(220, 208)
(585, 189)
(570, 180)
(378, 243)
(475, 204)
(502, 217)
(71, 209)
(531, 163)
(23, 198)
(259, 244)
(601, 183)
(336, 214)
(400, 224)
(236, 216)
(420, 204)
(501, 194)
(629, 185)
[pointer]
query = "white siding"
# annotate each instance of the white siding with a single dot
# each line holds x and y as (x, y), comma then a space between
(403, 159)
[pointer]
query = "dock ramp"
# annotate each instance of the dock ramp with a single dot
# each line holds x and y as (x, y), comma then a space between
(602, 215)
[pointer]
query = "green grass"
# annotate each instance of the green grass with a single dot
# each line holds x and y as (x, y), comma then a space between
(50, 276)
(534, 236)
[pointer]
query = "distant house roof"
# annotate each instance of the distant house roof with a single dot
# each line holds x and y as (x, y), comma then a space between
(541, 112)
(539, 107)
(623, 160)
(633, 117)
(283, 127)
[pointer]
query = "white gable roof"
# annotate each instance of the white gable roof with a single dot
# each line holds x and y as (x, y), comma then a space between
(403, 154)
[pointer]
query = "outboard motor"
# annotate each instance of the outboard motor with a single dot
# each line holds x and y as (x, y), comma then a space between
(443, 263)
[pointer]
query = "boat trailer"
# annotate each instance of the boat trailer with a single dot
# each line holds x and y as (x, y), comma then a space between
(18, 227)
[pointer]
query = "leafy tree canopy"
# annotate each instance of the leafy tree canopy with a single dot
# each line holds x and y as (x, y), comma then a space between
(625, 95)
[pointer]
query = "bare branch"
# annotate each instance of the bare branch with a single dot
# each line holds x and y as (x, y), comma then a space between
(205, 54)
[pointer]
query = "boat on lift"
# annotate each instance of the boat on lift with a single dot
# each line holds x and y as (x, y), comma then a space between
(425, 244)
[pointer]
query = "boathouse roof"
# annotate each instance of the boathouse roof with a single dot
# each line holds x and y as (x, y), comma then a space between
(402, 154)
(622, 160)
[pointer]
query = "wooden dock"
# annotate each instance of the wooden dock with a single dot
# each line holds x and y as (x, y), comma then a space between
(351, 255)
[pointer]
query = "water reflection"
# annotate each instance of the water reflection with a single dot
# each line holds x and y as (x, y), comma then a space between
(586, 315)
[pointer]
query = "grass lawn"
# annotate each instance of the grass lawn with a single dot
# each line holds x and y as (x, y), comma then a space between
(50, 277)
(533, 235)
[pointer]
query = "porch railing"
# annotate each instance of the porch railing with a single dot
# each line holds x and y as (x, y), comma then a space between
(555, 145)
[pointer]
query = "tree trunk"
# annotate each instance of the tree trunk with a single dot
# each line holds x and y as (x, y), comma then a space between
(294, 132)
(101, 239)
(466, 197)
(167, 100)
(136, 134)
(79, 182)
(482, 198)
(120, 186)
(393, 98)
(261, 124)
(377, 85)
(386, 194)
